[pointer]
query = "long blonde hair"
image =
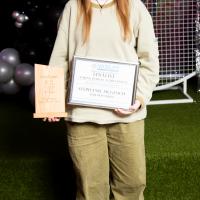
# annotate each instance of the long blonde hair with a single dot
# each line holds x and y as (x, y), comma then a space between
(122, 6)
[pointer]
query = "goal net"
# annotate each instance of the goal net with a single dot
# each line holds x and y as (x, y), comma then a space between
(176, 24)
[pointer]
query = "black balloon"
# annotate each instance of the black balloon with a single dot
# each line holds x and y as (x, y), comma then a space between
(38, 24)
(54, 14)
(18, 24)
(31, 53)
(10, 87)
(28, 3)
(10, 56)
(6, 72)
(15, 14)
(32, 95)
(21, 18)
(48, 42)
(26, 18)
(24, 74)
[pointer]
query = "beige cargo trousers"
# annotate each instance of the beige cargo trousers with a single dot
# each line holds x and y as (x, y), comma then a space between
(109, 160)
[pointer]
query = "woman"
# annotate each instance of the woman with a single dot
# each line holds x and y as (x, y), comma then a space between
(107, 146)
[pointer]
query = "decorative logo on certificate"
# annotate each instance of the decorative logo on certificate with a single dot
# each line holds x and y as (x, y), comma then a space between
(105, 84)
(49, 92)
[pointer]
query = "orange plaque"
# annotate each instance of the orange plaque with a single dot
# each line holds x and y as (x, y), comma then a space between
(49, 92)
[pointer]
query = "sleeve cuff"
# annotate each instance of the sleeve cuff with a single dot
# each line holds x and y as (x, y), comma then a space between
(140, 99)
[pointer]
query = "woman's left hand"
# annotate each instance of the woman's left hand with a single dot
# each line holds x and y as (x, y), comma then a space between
(132, 109)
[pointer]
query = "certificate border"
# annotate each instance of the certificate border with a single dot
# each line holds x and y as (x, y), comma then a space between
(96, 105)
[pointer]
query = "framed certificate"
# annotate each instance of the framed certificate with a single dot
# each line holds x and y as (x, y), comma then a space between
(102, 84)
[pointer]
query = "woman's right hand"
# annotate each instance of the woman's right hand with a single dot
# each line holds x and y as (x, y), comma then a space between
(51, 119)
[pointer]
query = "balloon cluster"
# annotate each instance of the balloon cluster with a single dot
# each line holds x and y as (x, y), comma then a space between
(13, 74)
(20, 18)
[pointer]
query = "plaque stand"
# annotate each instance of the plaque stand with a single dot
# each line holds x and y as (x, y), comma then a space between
(49, 92)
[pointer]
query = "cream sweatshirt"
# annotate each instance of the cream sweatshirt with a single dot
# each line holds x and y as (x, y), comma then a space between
(106, 42)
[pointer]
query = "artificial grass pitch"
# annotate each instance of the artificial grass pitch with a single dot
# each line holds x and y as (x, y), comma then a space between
(36, 179)
(34, 164)
(173, 177)
(173, 154)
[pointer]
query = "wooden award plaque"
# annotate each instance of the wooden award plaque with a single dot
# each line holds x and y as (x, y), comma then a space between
(49, 92)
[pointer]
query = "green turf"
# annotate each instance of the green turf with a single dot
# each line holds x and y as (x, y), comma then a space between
(39, 179)
(34, 164)
(173, 148)
(173, 128)
(173, 177)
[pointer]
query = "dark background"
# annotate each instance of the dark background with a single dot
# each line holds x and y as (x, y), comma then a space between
(35, 39)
